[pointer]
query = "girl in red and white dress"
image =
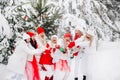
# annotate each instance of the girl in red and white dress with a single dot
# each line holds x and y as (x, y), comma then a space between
(45, 59)
(60, 59)
(32, 66)
(17, 61)
(53, 45)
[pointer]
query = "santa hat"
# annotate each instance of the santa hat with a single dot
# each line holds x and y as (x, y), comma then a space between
(40, 30)
(31, 34)
(25, 36)
(67, 35)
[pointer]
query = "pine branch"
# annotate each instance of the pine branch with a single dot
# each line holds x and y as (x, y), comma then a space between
(2, 38)
(20, 6)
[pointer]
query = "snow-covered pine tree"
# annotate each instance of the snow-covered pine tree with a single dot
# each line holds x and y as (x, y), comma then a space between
(23, 15)
(39, 13)
(101, 15)
(6, 43)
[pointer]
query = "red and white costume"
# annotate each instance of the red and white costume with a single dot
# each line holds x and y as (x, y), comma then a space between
(17, 61)
(60, 60)
(45, 59)
(32, 71)
(78, 47)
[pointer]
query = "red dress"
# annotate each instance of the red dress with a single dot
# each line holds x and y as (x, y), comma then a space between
(46, 58)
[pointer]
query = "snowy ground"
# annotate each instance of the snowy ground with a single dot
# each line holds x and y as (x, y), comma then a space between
(2, 73)
(103, 65)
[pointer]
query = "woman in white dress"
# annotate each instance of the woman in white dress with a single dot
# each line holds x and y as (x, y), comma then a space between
(77, 47)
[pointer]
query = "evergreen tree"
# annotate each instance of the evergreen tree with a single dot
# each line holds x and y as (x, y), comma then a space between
(41, 13)
(24, 16)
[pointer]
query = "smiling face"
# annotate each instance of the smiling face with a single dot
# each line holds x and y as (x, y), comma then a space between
(42, 35)
(54, 40)
(27, 40)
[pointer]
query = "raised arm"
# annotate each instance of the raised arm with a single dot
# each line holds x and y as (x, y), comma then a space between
(32, 51)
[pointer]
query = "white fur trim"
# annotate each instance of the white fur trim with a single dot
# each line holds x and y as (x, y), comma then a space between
(25, 36)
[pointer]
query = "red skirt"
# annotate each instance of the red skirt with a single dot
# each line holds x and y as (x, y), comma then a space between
(62, 65)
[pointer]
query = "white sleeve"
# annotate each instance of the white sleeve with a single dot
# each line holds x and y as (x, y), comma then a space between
(29, 51)
(32, 51)
(56, 56)
(80, 43)
(60, 42)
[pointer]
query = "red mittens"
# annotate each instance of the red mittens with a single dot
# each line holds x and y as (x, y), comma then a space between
(75, 54)
(54, 49)
(71, 45)
(58, 46)
(47, 45)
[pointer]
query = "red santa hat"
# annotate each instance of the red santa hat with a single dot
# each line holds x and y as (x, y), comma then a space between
(40, 30)
(67, 35)
(31, 34)
(25, 36)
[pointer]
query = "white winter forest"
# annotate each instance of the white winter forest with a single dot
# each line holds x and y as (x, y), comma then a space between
(99, 17)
